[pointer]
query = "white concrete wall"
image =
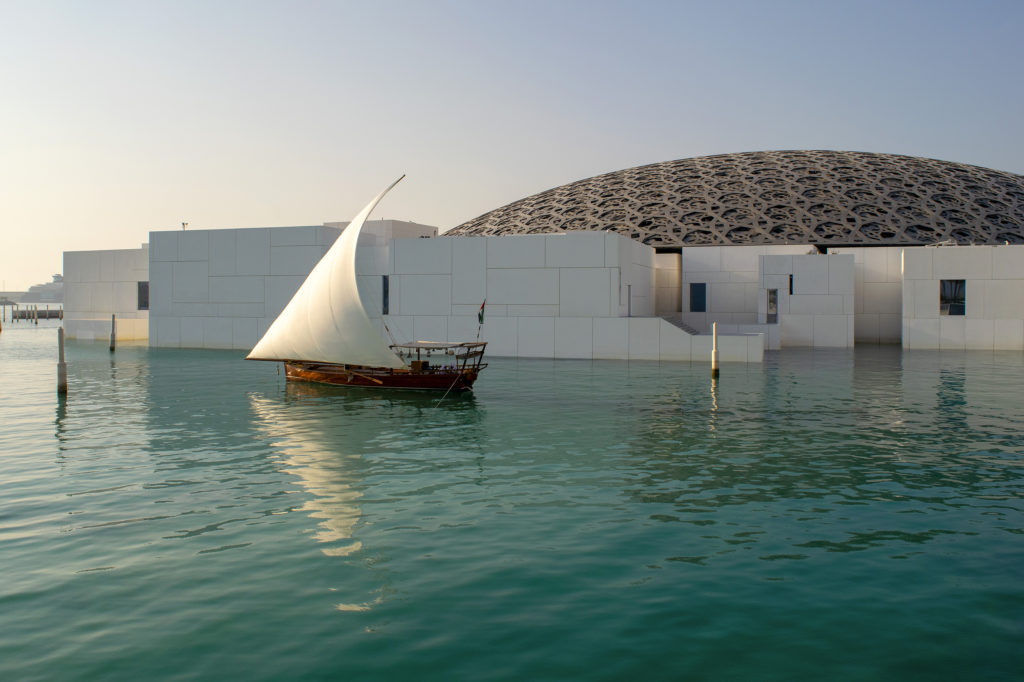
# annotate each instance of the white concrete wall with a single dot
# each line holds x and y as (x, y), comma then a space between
(580, 274)
(557, 295)
(100, 283)
(820, 311)
(878, 293)
(994, 281)
(732, 277)
(223, 288)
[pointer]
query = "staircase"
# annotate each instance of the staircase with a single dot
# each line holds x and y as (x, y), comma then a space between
(676, 320)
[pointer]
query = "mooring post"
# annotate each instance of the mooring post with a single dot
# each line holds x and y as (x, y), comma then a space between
(714, 350)
(113, 332)
(62, 367)
(35, 314)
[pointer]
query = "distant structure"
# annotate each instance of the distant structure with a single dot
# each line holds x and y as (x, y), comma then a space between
(825, 198)
(49, 293)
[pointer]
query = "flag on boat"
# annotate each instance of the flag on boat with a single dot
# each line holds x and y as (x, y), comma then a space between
(480, 315)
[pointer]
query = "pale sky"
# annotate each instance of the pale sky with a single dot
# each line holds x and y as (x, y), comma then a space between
(117, 118)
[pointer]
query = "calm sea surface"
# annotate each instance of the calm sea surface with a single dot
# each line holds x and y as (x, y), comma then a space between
(826, 515)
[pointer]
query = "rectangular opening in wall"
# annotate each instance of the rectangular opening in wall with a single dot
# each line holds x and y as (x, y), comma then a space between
(791, 285)
(385, 287)
(952, 297)
(773, 307)
(143, 296)
(698, 297)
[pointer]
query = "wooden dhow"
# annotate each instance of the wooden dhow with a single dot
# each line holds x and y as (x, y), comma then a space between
(325, 335)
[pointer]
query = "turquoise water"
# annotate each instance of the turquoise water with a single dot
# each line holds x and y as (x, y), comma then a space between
(828, 515)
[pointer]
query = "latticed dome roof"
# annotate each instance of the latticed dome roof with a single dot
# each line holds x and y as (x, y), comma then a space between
(807, 197)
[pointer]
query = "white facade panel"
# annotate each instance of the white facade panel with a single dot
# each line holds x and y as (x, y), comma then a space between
(1005, 298)
(531, 310)
(917, 263)
(294, 260)
(236, 290)
(306, 235)
(1007, 263)
(1008, 334)
(193, 246)
(536, 337)
(218, 332)
(502, 335)
(222, 252)
(515, 251)
(574, 337)
(979, 334)
(430, 327)
(574, 250)
(810, 275)
(191, 282)
(243, 332)
(469, 270)
(702, 259)
(163, 246)
(522, 285)
(252, 251)
(423, 256)
(962, 262)
(644, 338)
(611, 338)
(583, 292)
(424, 294)
(840, 274)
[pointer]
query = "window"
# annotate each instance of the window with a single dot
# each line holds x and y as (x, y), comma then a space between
(143, 295)
(698, 297)
(952, 297)
(791, 285)
(386, 289)
(773, 307)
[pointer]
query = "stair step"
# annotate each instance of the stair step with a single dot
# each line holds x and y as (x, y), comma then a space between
(676, 320)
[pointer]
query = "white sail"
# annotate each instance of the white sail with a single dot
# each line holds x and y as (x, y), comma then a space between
(325, 320)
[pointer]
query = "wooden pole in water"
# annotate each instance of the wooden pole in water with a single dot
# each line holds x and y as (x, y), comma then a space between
(113, 332)
(714, 350)
(62, 367)
(35, 314)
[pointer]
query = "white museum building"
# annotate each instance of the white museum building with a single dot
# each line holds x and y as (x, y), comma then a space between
(813, 249)
(574, 295)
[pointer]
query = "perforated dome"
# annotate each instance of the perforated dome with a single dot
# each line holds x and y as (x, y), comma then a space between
(782, 197)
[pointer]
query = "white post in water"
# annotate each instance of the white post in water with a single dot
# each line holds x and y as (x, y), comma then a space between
(714, 350)
(62, 367)
(113, 332)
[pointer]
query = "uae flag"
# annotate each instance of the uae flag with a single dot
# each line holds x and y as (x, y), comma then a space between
(480, 315)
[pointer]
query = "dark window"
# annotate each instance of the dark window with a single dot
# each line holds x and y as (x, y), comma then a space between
(386, 288)
(791, 285)
(952, 297)
(698, 297)
(143, 295)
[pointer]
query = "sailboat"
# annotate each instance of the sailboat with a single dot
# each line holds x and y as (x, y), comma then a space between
(325, 335)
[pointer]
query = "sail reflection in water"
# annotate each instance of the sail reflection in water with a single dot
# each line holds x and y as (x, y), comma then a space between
(300, 429)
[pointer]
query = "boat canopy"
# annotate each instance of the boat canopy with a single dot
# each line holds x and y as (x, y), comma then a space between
(325, 321)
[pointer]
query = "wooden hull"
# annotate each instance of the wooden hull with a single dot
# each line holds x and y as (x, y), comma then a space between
(434, 379)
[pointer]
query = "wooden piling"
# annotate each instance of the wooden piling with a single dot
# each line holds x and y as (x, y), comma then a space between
(714, 350)
(62, 367)
(113, 332)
